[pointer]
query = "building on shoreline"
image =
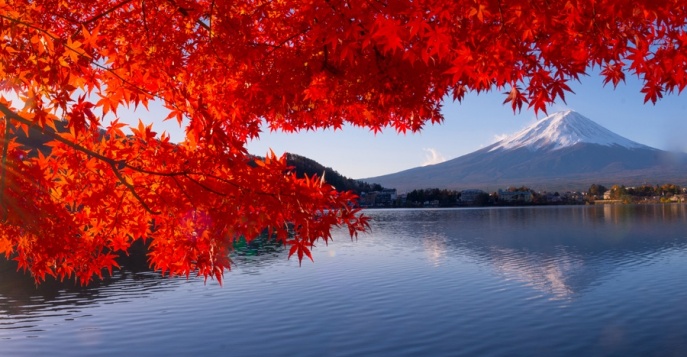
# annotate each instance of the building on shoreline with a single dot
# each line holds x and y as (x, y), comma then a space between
(471, 196)
(515, 196)
(383, 198)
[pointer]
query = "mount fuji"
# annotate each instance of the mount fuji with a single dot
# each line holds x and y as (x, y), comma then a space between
(564, 151)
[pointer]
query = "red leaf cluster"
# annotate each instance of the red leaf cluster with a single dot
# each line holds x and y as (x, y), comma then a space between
(226, 68)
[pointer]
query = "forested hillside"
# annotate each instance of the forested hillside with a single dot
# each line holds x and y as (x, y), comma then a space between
(303, 165)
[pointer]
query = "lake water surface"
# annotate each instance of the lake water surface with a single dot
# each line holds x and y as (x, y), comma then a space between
(579, 280)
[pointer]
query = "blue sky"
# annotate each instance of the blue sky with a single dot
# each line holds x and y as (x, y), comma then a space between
(478, 121)
(481, 120)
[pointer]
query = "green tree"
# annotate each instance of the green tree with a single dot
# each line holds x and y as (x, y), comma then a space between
(618, 192)
(596, 191)
(644, 190)
(669, 189)
(482, 199)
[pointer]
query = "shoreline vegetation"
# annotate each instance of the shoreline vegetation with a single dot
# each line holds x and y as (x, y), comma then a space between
(373, 195)
(523, 196)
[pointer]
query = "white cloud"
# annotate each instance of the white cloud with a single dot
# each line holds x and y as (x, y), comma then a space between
(499, 137)
(432, 156)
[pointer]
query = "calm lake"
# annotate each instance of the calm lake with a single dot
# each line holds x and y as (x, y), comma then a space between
(577, 280)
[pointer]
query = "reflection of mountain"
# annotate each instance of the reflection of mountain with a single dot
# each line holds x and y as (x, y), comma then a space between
(553, 275)
(561, 251)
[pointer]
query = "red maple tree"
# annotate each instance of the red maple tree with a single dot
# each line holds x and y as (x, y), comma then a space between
(228, 68)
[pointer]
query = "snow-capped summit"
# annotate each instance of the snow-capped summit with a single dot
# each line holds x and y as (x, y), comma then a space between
(561, 130)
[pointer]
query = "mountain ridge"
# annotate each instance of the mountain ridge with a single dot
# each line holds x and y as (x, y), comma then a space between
(564, 151)
(302, 165)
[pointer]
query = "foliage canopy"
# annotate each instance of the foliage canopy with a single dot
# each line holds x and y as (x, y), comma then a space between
(226, 68)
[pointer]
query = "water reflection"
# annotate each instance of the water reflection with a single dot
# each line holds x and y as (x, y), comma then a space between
(552, 276)
(260, 252)
(21, 298)
(501, 282)
(435, 248)
(560, 251)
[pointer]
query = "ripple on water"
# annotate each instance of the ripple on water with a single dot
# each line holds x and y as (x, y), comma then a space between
(577, 281)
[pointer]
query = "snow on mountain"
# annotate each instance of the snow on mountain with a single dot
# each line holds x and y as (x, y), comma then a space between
(561, 130)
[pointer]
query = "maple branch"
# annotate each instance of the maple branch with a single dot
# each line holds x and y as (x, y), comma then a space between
(205, 187)
(133, 86)
(184, 12)
(183, 191)
(131, 189)
(90, 59)
(373, 6)
(212, 9)
(114, 164)
(326, 66)
(156, 173)
(3, 176)
(115, 221)
(9, 114)
(282, 43)
(186, 173)
(106, 12)
(501, 22)
(145, 21)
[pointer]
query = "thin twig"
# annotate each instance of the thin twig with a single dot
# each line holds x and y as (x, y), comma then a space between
(3, 174)
(114, 164)
(131, 189)
(205, 187)
(97, 17)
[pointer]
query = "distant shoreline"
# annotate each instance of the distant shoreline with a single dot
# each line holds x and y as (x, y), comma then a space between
(598, 204)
